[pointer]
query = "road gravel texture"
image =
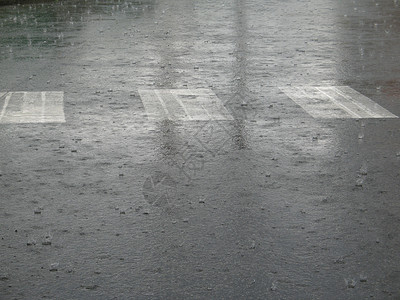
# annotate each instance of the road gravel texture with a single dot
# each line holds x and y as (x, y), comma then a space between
(273, 204)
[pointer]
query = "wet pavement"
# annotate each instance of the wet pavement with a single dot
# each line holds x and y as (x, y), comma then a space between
(260, 200)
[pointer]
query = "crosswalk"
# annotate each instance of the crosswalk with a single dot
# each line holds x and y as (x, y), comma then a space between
(183, 104)
(32, 107)
(335, 102)
(320, 102)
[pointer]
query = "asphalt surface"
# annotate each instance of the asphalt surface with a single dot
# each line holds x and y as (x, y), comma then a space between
(271, 204)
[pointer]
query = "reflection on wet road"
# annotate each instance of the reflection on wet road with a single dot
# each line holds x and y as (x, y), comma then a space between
(210, 150)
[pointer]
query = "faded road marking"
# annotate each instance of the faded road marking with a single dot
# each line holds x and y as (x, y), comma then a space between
(335, 102)
(183, 104)
(32, 107)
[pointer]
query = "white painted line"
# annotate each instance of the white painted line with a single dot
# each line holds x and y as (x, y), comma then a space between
(3, 111)
(202, 104)
(192, 102)
(365, 103)
(43, 96)
(33, 107)
(175, 109)
(164, 106)
(183, 104)
(53, 104)
(335, 102)
(184, 108)
(152, 105)
(315, 103)
(330, 93)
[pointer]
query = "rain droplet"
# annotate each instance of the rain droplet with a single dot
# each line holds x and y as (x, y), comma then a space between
(350, 283)
(364, 169)
(54, 267)
(31, 242)
(47, 240)
(359, 182)
(3, 277)
(253, 244)
(46, 243)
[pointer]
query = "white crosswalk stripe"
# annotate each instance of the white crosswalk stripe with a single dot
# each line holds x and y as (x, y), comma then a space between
(335, 102)
(32, 107)
(183, 104)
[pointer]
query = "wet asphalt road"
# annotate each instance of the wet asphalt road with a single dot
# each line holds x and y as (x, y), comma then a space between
(272, 205)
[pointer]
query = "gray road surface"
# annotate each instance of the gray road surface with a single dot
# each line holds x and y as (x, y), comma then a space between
(186, 167)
